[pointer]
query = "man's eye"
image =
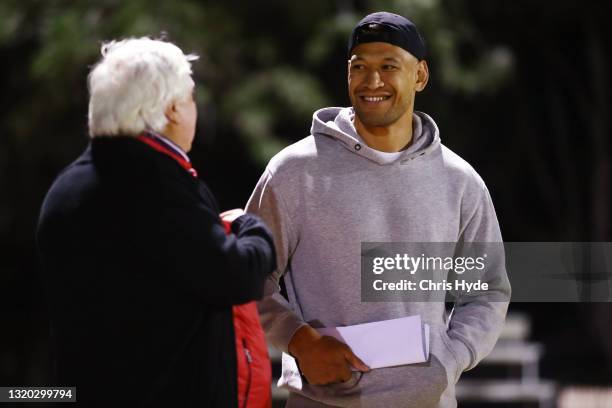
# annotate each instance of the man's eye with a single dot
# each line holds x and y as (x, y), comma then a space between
(389, 67)
(358, 66)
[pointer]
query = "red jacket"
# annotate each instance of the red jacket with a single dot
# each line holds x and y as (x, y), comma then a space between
(254, 368)
(253, 363)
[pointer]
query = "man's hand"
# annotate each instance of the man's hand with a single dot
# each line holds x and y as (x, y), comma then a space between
(230, 215)
(323, 359)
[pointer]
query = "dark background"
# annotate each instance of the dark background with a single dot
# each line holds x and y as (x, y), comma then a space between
(520, 89)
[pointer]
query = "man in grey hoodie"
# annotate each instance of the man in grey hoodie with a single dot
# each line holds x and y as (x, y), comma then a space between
(374, 172)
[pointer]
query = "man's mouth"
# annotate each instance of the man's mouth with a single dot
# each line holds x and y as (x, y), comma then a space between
(374, 98)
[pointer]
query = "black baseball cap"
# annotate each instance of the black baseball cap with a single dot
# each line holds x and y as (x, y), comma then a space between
(389, 28)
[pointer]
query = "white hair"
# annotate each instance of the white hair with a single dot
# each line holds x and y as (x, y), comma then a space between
(134, 83)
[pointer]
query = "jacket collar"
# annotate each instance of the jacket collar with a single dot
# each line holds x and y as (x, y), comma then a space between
(166, 146)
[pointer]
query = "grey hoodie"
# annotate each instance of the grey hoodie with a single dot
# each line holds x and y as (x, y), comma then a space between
(327, 193)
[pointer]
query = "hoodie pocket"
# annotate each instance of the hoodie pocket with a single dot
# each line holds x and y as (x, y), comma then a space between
(410, 386)
(452, 365)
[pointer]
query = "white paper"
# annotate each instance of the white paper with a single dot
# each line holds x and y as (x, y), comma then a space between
(386, 343)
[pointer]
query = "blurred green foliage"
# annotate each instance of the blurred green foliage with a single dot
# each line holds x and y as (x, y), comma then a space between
(258, 59)
(520, 89)
(264, 68)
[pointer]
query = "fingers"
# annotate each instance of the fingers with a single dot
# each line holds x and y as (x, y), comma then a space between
(337, 374)
(355, 361)
(324, 359)
(346, 373)
(231, 215)
(234, 211)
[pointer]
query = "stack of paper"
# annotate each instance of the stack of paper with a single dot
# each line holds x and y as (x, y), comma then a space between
(386, 343)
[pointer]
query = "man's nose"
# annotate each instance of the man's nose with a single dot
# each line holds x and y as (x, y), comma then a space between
(373, 80)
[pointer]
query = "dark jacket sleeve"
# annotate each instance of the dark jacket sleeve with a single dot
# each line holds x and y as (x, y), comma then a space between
(222, 269)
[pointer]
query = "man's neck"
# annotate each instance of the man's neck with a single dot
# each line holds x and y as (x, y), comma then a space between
(175, 135)
(392, 138)
(169, 143)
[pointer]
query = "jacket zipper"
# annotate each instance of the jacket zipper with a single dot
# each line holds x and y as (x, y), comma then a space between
(249, 360)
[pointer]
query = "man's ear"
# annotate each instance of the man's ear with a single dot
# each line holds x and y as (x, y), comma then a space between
(348, 69)
(171, 113)
(422, 76)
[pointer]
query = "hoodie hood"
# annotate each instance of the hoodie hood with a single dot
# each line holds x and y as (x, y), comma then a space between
(338, 123)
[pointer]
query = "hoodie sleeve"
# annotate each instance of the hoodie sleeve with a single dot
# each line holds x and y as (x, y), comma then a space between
(278, 318)
(477, 319)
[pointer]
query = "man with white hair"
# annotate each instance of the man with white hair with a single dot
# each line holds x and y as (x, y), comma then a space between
(140, 273)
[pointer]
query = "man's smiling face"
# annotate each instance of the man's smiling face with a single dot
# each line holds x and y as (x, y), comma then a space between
(382, 80)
